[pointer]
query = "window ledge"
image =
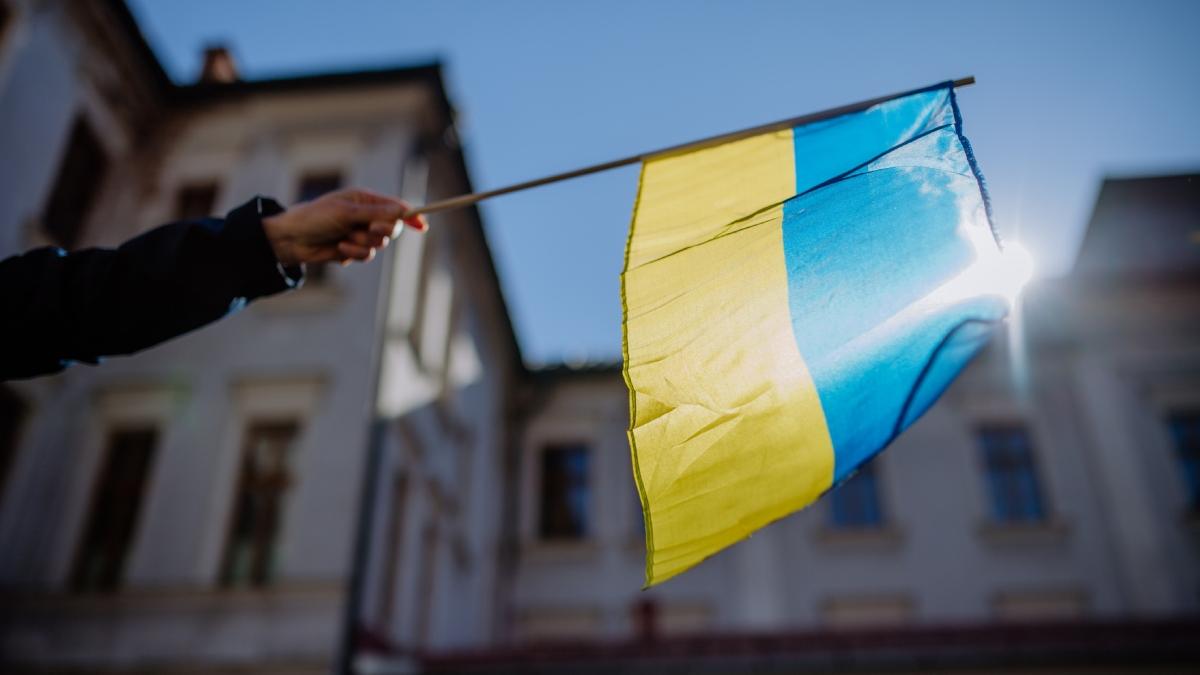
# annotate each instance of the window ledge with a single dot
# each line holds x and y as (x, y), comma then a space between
(307, 299)
(1051, 532)
(884, 538)
(179, 598)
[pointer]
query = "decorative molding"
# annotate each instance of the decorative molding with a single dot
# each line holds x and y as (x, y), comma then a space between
(1053, 532)
(888, 538)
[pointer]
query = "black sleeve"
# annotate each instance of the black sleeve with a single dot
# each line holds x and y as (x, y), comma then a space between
(60, 307)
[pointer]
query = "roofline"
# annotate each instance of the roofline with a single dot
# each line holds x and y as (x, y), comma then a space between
(565, 371)
(1135, 177)
(1089, 226)
(446, 109)
(428, 73)
(124, 16)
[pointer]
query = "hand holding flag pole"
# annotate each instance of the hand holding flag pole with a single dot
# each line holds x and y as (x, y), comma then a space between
(476, 197)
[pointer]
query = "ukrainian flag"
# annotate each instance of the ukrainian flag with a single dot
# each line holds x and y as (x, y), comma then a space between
(792, 301)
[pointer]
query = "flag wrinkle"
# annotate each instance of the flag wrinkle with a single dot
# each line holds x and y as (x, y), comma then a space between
(782, 321)
(726, 230)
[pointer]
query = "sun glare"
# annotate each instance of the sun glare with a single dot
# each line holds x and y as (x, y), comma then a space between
(1015, 270)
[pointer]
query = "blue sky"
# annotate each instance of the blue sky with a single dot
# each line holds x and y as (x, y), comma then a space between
(1067, 93)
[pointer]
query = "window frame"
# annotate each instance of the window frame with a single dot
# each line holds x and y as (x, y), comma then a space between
(76, 580)
(11, 432)
(587, 529)
(116, 407)
(252, 399)
(317, 274)
(263, 571)
(65, 211)
(212, 186)
(1015, 516)
(868, 471)
(6, 21)
(1187, 467)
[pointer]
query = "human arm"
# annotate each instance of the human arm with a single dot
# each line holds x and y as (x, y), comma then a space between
(61, 307)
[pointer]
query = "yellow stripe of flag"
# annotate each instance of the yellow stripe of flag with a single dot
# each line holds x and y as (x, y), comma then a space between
(710, 357)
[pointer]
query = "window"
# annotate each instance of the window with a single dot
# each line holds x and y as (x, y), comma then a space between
(565, 492)
(250, 555)
(79, 177)
(855, 503)
(12, 413)
(113, 517)
(1011, 476)
(1185, 432)
(313, 185)
(5, 15)
(195, 201)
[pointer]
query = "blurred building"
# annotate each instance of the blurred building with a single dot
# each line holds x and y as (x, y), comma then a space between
(197, 504)
(1047, 509)
(197, 507)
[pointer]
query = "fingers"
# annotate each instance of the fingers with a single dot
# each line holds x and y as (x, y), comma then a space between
(361, 205)
(382, 228)
(369, 238)
(361, 212)
(363, 240)
(350, 251)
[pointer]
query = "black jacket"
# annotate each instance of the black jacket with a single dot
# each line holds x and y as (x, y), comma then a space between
(59, 307)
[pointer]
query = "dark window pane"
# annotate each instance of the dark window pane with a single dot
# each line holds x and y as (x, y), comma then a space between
(1011, 475)
(250, 554)
(195, 201)
(1185, 432)
(314, 185)
(79, 177)
(112, 519)
(565, 492)
(855, 503)
(12, 414)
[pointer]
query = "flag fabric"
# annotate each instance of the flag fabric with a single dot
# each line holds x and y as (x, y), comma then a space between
(792, 301)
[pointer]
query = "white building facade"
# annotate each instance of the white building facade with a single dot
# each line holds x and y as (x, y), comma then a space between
(197, 503)
(1056, 484)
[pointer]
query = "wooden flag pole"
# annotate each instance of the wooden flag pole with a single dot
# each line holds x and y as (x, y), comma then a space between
(475, 197)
